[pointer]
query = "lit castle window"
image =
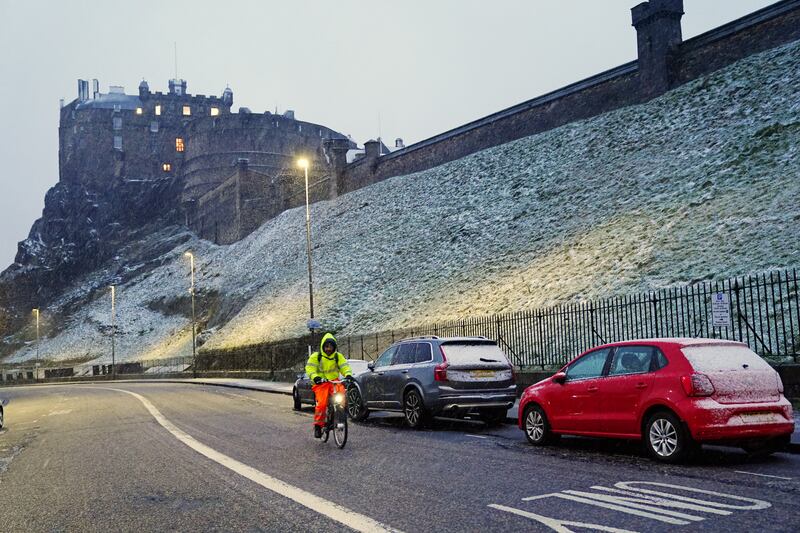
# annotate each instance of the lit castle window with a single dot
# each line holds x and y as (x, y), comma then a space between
(158, 109)
(214, 111)
(187, 110)
(178, 144)
(166, 167)
(139, 110)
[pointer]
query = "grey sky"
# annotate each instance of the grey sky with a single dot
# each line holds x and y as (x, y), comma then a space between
(422, 66)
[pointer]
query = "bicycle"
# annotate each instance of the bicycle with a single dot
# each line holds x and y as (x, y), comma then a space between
(336, 417)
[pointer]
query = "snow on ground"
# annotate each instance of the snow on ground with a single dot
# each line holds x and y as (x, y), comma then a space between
(701, 183)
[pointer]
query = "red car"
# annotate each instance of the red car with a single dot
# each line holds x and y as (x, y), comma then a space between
(674, 393)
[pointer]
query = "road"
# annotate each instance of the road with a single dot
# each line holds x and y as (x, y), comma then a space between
(181, 457)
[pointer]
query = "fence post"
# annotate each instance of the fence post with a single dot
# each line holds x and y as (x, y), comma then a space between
(654, 301)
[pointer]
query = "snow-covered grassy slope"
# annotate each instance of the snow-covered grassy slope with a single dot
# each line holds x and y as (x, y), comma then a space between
(701, 183)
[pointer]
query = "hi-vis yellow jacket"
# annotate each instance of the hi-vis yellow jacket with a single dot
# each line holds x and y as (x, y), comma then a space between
(327, 366)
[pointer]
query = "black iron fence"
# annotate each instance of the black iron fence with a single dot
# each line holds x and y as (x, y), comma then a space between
(761, 310)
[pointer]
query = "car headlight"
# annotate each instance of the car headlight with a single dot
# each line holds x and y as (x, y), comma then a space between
(338, 398)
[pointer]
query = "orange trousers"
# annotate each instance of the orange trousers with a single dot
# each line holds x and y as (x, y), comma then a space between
(322, 393)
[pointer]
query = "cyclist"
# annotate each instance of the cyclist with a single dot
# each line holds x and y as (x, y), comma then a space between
(322, 366)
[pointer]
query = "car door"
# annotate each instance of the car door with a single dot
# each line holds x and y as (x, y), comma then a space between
(574, 404)
(371, 385)
(397, 375)
(630, 379)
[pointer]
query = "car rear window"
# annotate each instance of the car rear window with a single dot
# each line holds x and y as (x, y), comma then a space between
(473, 353)
(719, 358)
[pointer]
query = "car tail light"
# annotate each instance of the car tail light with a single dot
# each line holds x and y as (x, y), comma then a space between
(440, 370)
(697, 385)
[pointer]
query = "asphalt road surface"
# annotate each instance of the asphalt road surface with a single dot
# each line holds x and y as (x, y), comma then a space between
(180, 457)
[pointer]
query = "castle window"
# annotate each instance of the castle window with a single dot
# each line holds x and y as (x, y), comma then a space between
(154, 126)
(117, 142)
(299, 127)
(117, 108)
(158, 109)
(178, 144)
(187, 110)
(139, 110)
(166, 167)
(117, 121)
(214, 111)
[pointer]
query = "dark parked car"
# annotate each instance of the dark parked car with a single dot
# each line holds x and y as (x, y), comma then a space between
(302, 392)
(3, 403)
(431, 376)
(672, 393)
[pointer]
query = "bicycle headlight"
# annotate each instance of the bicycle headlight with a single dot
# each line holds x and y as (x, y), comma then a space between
(338, 398)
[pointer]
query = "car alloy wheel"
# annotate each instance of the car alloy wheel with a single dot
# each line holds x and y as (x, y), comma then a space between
(667, 439)
(537, 428)
(414, 409)
(355, 405)
(663, 437)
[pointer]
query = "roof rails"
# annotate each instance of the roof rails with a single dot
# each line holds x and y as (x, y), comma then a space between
(421, 337)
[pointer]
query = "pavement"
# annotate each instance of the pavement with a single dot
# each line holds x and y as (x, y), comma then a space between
(162, 456)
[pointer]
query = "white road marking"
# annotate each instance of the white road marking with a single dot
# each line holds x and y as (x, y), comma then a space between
(324, 507)
(476, 436)
(762, 475)
(631, 498)
(558, 525)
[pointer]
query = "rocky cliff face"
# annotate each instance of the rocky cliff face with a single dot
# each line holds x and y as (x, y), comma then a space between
(82, 229)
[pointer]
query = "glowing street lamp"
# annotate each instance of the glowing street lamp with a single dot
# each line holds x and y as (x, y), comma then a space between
(113, 331)
(190, 255)
(303, 163)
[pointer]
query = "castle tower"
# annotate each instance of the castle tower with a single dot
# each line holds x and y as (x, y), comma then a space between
(144, 91)
(227, 97)
(658, 33)
(177, 87)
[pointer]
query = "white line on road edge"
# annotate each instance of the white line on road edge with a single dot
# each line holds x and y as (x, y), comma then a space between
(762, 475)
(324, 507)
(476, 436)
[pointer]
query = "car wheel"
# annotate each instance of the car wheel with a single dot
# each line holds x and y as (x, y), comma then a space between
(296, 397)
(667, 439)
(414, 409)
(355, 405)
(537, 427)
(494, 417)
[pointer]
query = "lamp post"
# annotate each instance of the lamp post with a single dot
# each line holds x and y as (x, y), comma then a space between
(113, 331)
(36, 312)
(190, 255)
(303, 163)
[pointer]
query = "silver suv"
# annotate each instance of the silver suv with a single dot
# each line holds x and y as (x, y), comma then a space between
(432, 376)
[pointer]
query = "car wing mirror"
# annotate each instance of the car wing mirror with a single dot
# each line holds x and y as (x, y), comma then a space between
(560, 377)
(300, 376)
(371, 366)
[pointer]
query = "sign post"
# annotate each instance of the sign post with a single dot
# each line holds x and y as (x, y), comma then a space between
(720, 310)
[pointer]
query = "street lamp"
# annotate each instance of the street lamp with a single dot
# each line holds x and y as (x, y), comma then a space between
(190, 255)
(113, 331)
(303, 163)
(36, 312)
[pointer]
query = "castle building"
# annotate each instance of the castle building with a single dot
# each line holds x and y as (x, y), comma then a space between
(234, 170)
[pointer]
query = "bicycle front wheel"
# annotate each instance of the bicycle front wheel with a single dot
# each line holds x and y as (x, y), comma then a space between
(326, 429)
(340, 426)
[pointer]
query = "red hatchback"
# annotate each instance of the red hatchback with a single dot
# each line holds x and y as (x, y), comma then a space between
(676, 393)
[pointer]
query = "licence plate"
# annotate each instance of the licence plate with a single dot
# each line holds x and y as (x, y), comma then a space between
(757, 418)
(483, 373)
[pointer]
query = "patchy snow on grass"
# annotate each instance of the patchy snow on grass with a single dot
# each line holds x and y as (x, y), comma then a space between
(701, 183)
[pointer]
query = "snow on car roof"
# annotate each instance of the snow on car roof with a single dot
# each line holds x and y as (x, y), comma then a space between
(680, 341)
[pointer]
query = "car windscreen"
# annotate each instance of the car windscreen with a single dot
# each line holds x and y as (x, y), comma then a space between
(720, 358)
(474, 353)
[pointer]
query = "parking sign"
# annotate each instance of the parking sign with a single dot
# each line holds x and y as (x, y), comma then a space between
(720, 310)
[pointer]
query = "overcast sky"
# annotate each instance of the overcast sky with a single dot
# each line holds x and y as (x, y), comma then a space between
(406, 68)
